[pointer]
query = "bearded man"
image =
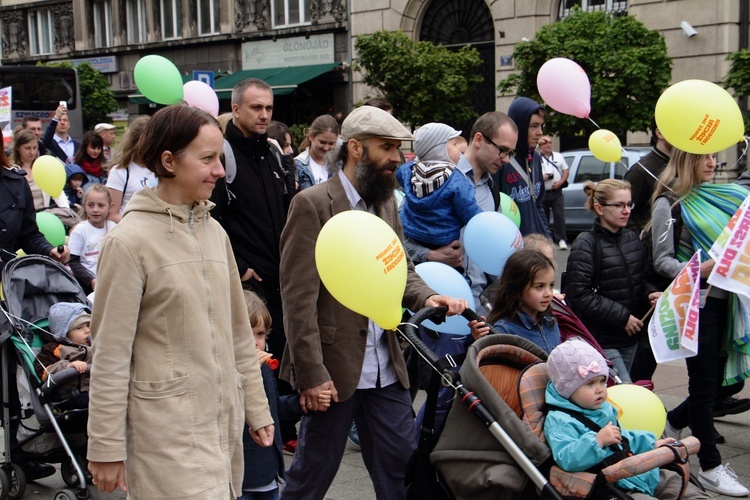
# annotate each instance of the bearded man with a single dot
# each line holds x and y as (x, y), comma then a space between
(330, 347)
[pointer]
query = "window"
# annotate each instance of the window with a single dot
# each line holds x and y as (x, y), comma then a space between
(208, 17)
(617, 7)
(135, 21)
(290, 12)
(171, 19)
(591, 169)
(102, 23)
(41, 31)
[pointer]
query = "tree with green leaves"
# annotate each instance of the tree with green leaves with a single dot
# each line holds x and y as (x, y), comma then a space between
(738, 79)
(97, 100)
(626, 63)
(424, 82)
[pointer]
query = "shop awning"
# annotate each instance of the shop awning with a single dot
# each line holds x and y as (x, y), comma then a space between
(283, 81)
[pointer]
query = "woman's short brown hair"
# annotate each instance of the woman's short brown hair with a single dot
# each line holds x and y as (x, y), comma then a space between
(171, 129)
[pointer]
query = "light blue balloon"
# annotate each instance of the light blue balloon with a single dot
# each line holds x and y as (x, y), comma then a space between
(445, 280)
(489, 239)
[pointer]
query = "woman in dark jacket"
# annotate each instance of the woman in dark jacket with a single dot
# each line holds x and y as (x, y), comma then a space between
(606, 275)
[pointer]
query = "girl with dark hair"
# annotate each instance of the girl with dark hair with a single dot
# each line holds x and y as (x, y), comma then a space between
(89, 158)
(174, 351)
(522, 297)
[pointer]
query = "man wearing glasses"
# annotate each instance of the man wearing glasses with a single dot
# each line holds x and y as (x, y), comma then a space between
(522, 177)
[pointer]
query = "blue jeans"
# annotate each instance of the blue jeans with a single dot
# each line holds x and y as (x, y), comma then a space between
(622, 361)
(260, 495)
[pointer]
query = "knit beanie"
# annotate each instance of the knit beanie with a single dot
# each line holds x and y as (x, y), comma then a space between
(430, 141)
(65, 316)
(572, 364)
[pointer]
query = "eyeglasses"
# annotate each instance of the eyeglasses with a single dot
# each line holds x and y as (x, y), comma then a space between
(503, 152)
(620, 206)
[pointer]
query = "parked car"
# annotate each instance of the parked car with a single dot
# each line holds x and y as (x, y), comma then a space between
(584, 167)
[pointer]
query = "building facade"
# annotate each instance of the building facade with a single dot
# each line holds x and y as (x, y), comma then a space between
(226, 37)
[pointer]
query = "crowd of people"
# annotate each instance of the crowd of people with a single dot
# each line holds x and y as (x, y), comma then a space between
(197, 237)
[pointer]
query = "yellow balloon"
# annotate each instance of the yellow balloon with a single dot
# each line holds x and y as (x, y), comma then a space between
(362, 263)
(49, 174)
(605, 145)
(699, 117)
(639, 408)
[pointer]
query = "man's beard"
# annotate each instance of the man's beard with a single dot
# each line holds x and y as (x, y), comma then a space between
(375, 187)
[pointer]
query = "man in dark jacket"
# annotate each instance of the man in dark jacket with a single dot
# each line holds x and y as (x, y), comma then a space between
(642, 178)
(56, 138)
(252, 209)
(522, 178)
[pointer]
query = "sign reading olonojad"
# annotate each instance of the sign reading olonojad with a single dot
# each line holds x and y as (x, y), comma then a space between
(105, 64)
(294, 51)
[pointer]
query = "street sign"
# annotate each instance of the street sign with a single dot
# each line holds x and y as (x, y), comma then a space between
(206, 77)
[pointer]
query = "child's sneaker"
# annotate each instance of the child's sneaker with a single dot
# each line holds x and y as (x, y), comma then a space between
(722, 479)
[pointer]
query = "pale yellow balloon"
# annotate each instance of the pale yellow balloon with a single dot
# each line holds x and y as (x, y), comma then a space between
(605, 145)
(699, 117)
(362, 263)
(49, 174)
(639, 408)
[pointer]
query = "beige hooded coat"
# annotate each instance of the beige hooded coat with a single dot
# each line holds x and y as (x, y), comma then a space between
(174, 369)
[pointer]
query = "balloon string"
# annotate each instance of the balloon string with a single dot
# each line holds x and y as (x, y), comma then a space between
(595, 124)
(742, 155)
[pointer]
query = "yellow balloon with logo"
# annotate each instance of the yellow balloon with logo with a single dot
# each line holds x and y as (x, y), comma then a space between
(605, 145)
(362, 263)
(699, 117)
(49, 174)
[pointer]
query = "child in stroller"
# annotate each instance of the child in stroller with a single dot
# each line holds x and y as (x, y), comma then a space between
(581, 426)
(69, 324)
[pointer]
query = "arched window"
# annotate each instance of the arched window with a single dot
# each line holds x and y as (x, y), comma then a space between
(456, 23)
(616, 7)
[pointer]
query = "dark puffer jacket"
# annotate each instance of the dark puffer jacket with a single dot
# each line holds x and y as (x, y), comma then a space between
(623, 284)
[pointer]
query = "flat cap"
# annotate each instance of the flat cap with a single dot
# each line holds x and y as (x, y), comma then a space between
(369, 121)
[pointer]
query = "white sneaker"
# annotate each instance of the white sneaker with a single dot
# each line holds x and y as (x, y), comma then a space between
(563, 245)
(671, 432)
(722, 479)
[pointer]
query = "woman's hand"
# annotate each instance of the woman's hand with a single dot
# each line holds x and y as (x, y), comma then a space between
(633, 326)
(108, 475)
(653, 297)
(707, 267)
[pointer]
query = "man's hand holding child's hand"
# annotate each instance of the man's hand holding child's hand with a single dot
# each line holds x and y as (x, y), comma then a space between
(609, 435)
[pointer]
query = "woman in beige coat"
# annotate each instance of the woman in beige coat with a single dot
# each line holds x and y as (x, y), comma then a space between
(174, 369)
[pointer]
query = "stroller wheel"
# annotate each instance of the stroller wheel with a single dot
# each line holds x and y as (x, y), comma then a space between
(4, 485)
(65, 495)
(17, 482)
(69, 474)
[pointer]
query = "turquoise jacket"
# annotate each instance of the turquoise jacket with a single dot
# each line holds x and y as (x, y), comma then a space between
(574, 445)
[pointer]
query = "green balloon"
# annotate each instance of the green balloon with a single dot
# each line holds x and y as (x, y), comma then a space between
(158, 79)
(51, 227)
(509, 209)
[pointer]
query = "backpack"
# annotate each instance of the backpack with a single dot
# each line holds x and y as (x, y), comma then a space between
(662, 282)
(230, 171)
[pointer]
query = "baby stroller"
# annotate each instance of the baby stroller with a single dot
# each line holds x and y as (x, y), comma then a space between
(499, 380)
(31, 285)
